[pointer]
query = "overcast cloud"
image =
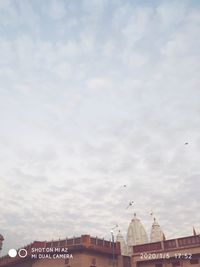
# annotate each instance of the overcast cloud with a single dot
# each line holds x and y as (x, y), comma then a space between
(94, 95)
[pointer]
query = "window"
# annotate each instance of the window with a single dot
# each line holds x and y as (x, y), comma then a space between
(194, 261)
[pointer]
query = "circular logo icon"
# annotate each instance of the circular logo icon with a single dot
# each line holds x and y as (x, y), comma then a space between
(22, 253)
(12, 253)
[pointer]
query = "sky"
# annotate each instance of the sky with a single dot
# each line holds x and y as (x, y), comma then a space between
(95, 95)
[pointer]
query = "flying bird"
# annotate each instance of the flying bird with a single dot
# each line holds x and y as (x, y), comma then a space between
(130, 204)
(116, 225)
(186, 143)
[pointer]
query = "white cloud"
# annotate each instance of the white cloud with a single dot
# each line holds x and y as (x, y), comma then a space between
(99, 83)
(57, 9)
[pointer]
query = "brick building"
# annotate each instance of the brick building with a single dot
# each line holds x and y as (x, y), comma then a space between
(88, 251)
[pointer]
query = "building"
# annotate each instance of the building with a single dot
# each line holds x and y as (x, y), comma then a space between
(81, 252)
(88, 251)
(136, 234)
(182, 252)
(1, 242)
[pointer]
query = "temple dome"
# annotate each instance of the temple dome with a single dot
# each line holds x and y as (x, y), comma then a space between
(156, 232)
(136, 233)
(123, 246)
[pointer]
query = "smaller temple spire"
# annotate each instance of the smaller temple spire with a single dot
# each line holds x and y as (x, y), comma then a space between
(156, 232)
(123, 246)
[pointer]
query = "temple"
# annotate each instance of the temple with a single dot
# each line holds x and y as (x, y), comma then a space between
(1, 242)
(138, 250)
(136, 233)
(156, 232)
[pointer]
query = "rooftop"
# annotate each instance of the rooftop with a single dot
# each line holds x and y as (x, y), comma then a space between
(75, 244)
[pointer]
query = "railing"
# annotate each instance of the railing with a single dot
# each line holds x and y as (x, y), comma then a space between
(147, 247)
(169, 244)
(189, 241)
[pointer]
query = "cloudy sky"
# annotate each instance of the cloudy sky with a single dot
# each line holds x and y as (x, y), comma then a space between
(94, 95)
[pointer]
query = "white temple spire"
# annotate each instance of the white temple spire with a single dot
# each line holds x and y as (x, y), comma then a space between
(123, 246)
(136, 233)
(156, 232)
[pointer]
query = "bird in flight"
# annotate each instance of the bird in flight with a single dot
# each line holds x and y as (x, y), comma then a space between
(130, 204)
(116, 225)
(186, 143)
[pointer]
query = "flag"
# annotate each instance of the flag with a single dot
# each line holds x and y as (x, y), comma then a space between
(164, 238)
